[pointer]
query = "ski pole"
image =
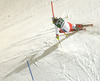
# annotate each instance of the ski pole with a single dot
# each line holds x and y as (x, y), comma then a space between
(30, 70)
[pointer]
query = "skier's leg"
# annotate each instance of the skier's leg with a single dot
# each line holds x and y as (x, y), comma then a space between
(79, 27)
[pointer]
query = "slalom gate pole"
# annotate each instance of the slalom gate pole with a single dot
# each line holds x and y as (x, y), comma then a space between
(52, 8)
(30, 70)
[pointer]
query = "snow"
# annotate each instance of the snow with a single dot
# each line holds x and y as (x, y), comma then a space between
(27, 33)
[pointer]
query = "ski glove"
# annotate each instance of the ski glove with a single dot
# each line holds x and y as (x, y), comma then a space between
(57, 36)
(65, 34)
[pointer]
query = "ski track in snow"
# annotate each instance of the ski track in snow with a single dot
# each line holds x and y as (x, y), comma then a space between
(74, 58)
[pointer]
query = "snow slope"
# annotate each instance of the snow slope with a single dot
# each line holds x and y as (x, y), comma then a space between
(27, 33)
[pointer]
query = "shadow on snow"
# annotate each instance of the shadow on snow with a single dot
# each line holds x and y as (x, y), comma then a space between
(32, 60)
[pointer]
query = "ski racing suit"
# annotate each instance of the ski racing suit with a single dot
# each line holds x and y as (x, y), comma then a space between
(65, 27)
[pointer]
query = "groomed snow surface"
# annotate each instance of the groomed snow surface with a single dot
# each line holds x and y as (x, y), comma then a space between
(27, 33)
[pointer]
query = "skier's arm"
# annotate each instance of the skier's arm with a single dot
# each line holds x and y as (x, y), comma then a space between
(57, 32)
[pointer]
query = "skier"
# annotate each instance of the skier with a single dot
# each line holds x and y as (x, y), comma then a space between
(66, 27)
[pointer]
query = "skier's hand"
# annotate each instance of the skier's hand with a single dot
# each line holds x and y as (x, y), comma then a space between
(57, 36)
(65, 34)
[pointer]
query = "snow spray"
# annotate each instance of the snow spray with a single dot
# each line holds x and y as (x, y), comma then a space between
(30, 70)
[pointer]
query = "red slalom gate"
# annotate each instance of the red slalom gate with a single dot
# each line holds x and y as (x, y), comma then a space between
(52, 8)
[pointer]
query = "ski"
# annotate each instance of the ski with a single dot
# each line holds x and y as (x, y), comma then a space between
(87, 25)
